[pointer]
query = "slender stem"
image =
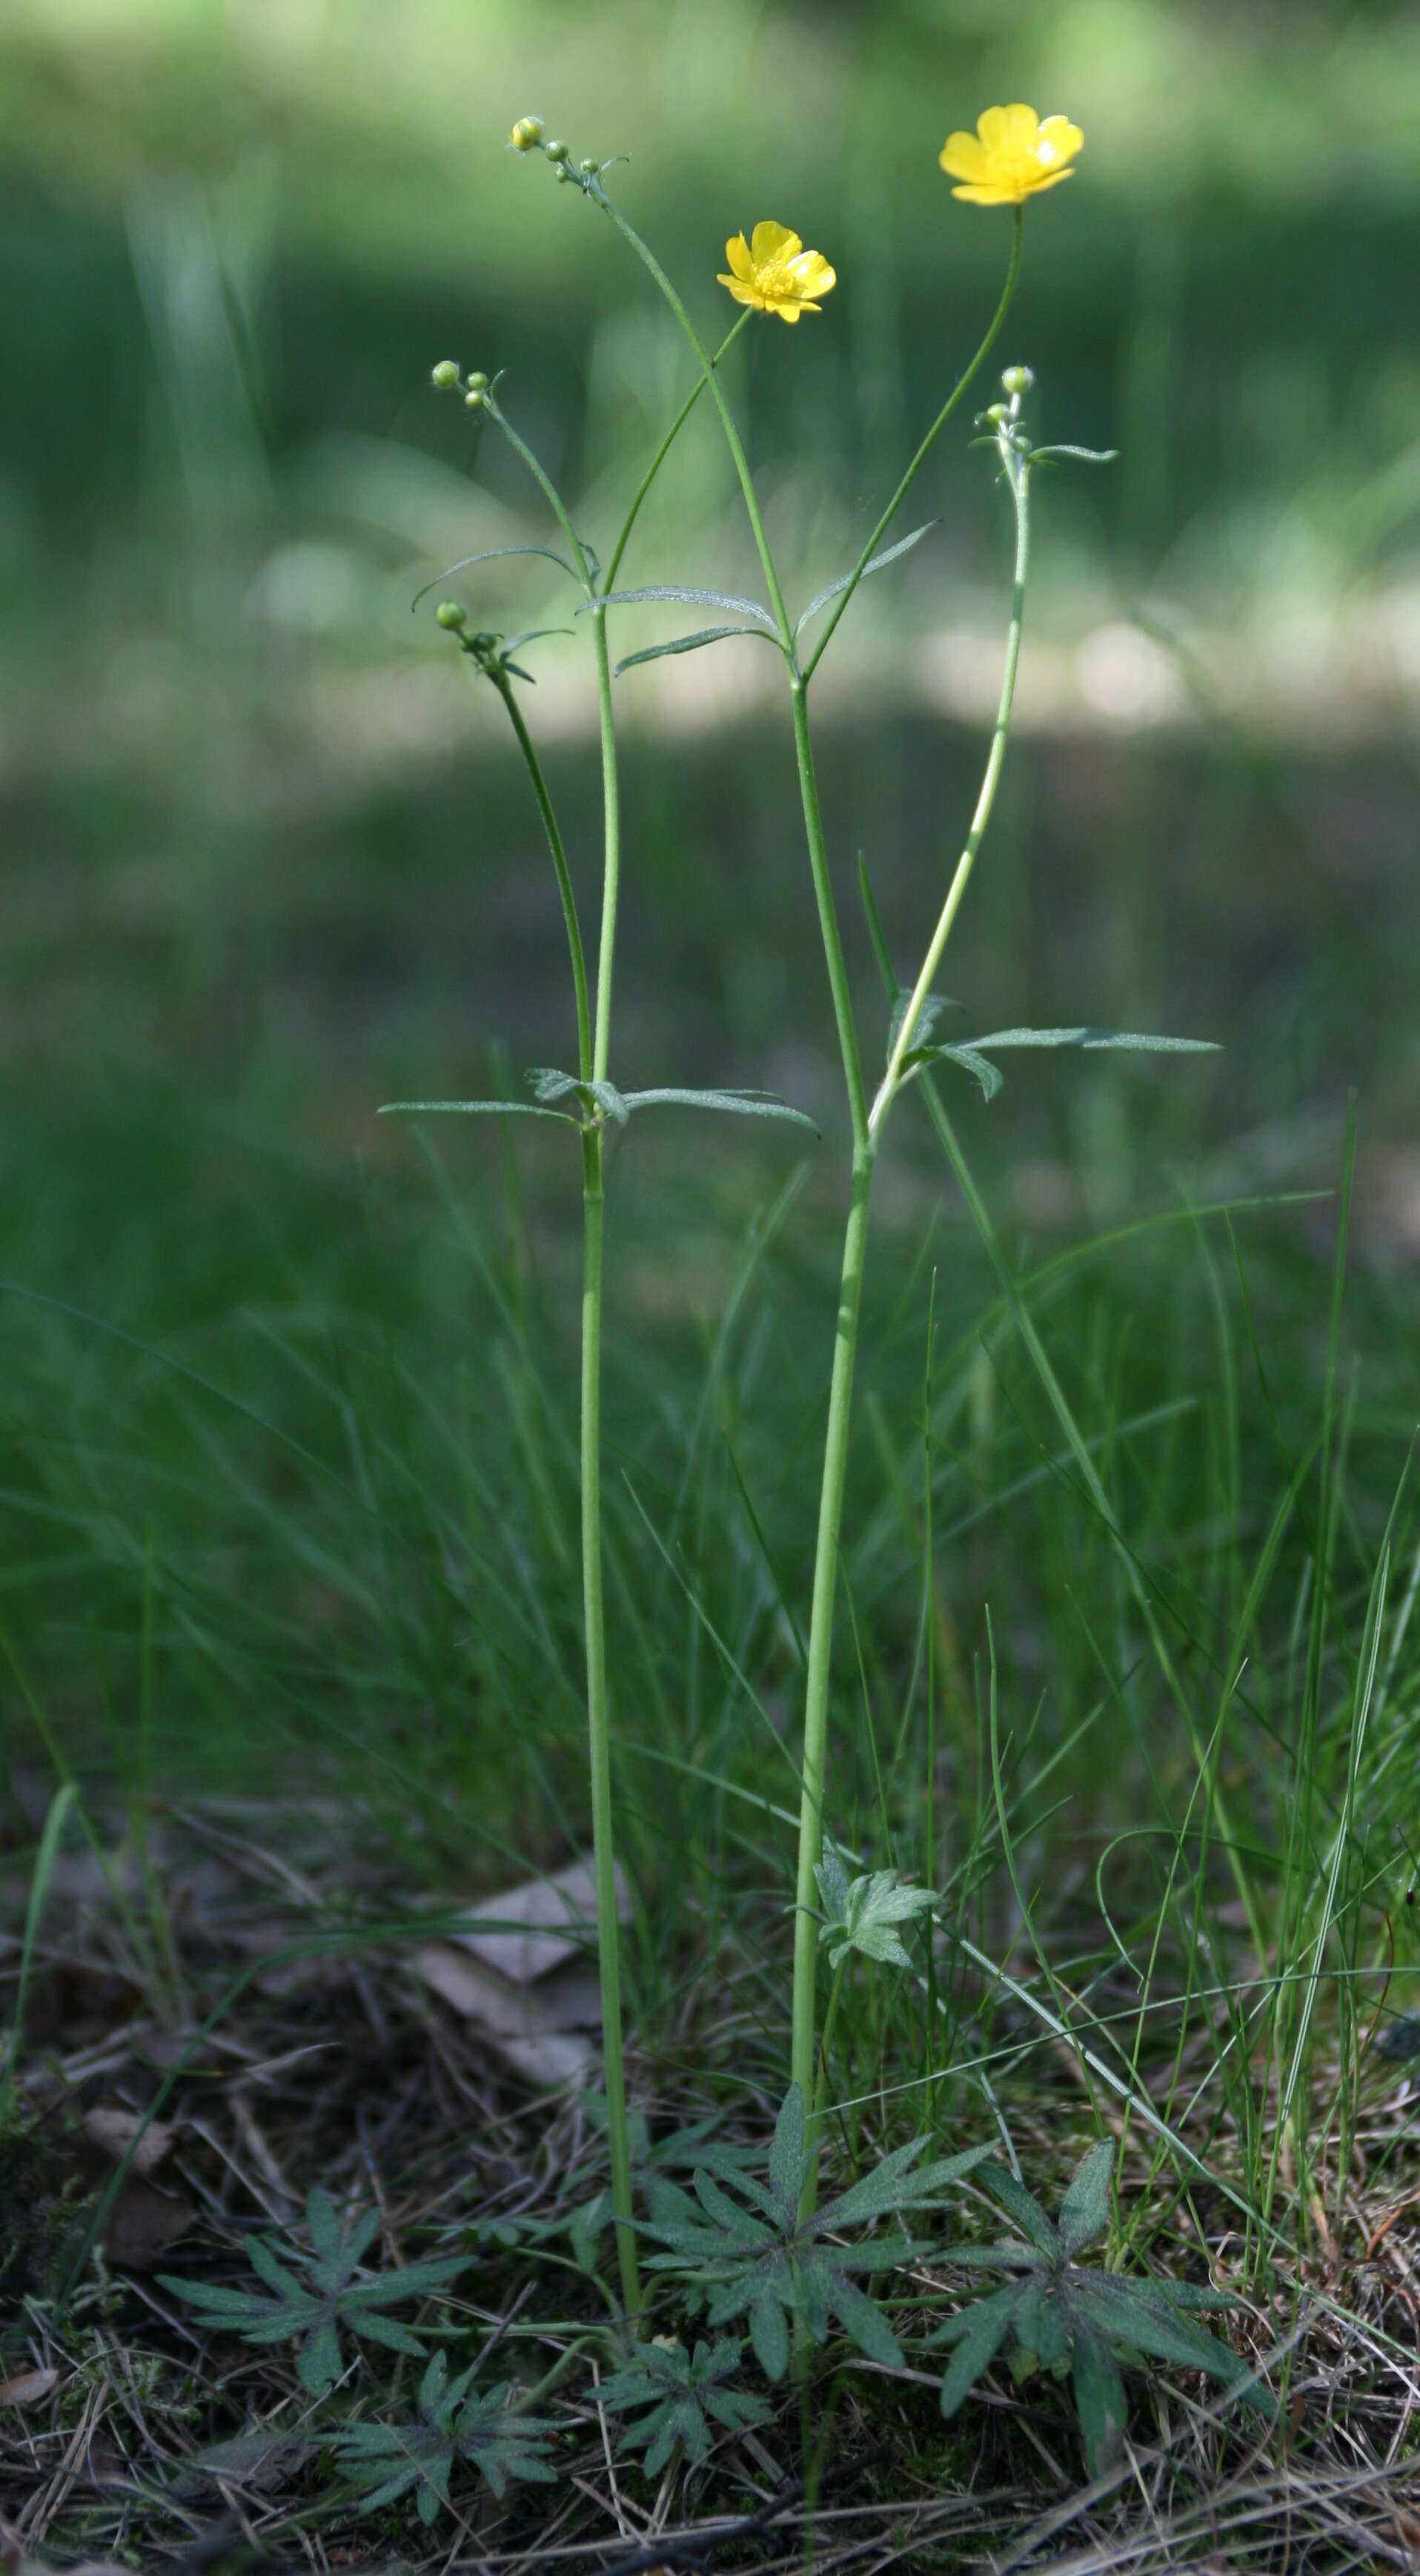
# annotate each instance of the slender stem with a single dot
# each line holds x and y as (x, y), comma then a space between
(593, 1609)
(598, 194)
(835, 1993)
(828, 920)
(830, 1521)
(506, 692)
(939, 424)
(611, 848)
(598, 1725)
(548, 490)
(662, 452)
(1018, 476)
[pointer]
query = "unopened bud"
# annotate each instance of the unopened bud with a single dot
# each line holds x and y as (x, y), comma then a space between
(485, 643)
(450, 616)
(474, 398)
(557, 152)
(1017, 380)
(589, 169)
(526, 134)
(477, 382)
(996, 413)
(446, 374)
(561, 171)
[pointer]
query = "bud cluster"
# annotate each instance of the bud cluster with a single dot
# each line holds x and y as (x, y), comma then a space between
(1004, 418)
(530, 135)
(448, 378)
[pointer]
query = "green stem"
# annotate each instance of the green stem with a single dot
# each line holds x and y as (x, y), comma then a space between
(611, 847)
(598, 1725)
(830, 1520)
(1018, 475)
(662, 452)
(593, 1608)
(828, 920)
(548, 490)
(506, 692)
(939, 424)
(830, 2017)
(598, 194)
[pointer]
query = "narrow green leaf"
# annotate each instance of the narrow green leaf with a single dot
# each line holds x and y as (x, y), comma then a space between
(744, 1104)
(863, 2320)
(689, 644)
(1023, 2206)
(1081, 455)
(696, 598)
(769, 2334)
(491, 554)
(889, 555)
(1117, 1039)
(978, 2334)
(472, 1109)
(1084, 2211)
(786, 2155)
(318, 2361)
(1099, 2399)
(969, 1058)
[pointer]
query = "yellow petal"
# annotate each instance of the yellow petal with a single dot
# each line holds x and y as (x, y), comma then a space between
(742, 294)
(774, 242)
(1049, 179)
(962, 157)
(813, 276)
(992, 196)
(1059, 139)
(1012, 130)
(737, 253)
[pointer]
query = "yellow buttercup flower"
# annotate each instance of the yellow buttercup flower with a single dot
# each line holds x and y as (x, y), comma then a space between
(1011, 156)
(775, 274)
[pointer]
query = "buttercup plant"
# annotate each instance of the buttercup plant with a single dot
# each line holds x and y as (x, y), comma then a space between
(1012, 157)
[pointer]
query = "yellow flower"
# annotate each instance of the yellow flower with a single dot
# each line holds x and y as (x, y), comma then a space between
(775, 273)
(1011, 156)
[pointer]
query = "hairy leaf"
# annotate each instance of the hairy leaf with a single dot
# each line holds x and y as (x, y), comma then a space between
(491, 554)
(689, 644)
(862, 1914)
(746, 2249)
(684, 2391)
(696, 598)
(889, 555)
(312, 2309)
(387, 2460)
(744, 1104)
(1084, 2211)
(1056, 2312)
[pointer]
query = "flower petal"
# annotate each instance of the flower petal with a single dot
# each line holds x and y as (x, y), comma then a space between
(1059, 141)
(812, 274)
(1008, 130)
(774, 242)
(737, 253)
(742, 294)
(962, 157)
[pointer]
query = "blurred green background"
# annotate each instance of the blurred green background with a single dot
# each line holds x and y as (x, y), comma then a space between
(268, 855)
(258, 822)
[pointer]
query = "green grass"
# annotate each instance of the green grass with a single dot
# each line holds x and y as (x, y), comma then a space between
(1125, 1666)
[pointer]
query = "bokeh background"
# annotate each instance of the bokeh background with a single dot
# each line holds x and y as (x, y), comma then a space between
(268, 857)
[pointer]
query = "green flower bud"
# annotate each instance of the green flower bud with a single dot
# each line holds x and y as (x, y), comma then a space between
(995, 413)
(450, 615)
(474, 398)
(561, 171)
(526, 134)
(446, 374)
(484, 643)
(557, 152)
(1017, 380)
(589, 169)
(477, 382)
